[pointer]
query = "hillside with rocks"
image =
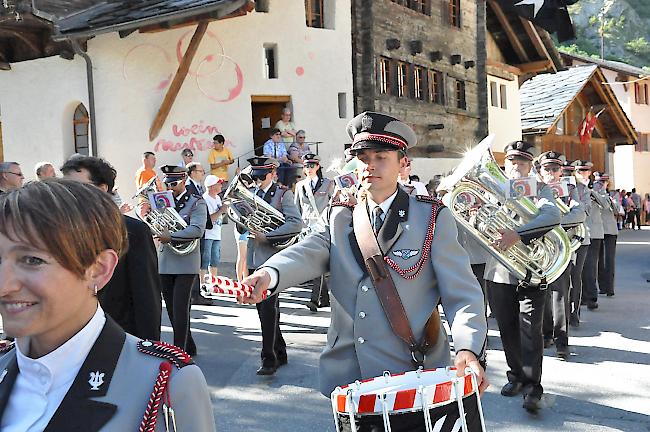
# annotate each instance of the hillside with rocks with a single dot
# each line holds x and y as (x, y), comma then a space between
(623, 26)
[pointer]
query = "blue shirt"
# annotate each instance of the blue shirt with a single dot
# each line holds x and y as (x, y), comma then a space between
(274, 150)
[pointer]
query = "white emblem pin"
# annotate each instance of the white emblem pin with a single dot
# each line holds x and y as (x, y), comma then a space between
(406, 253)
(147, 343)
(96, 380)
(401, 213)
(366, 122)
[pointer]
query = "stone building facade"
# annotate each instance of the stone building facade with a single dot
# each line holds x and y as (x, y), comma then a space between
(424, 62)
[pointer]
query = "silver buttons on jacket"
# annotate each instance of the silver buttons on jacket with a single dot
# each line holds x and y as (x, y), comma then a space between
(361, 340)
(364, 288)
(362, 314)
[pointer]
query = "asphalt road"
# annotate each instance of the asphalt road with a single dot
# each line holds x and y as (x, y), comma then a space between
(604, 386)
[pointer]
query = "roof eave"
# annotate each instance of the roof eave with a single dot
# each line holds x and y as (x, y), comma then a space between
(223, 9)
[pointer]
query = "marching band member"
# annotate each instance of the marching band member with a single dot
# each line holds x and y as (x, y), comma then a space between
(558, 304)
(411, 187)
(517, 306)
(72, 368)
(418, 239)
(607, 256)
(274, 349)
(593, 203)
(313, 195)
(179, 272)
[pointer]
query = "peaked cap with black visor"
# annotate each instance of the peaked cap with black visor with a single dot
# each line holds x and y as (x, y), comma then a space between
(371, 130)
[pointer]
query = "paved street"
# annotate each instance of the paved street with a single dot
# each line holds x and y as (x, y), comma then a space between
(604, 386)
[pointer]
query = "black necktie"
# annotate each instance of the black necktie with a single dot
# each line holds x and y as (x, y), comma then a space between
(377, 222)
(260, 193)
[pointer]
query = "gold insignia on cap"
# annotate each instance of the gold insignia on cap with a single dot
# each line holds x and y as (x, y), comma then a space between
(366, 122)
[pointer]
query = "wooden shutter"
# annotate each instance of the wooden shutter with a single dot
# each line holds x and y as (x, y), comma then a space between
(393, 78)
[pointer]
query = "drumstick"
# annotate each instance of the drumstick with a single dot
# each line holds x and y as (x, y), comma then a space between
(230, 287)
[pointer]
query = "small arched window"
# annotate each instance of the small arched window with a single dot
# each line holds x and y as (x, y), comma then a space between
(80, 122)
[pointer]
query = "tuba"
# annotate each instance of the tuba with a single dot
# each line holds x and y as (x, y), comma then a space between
(252, 213)
(577, 233)
(165, 219)
(478, 201)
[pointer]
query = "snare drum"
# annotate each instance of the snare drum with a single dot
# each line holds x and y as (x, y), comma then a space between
(433, 400)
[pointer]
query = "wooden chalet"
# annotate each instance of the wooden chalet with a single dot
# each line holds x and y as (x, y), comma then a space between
(554, 106)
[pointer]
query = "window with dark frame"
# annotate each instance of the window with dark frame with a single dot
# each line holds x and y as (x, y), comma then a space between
(270, 61)
(80, 123)
(436, 86)
(419, 86)
(384, 76)
(314, 13)
(402, 79)
(454, 13)
(494, 97)
(503, 96)
(421, 6)
(460, 95)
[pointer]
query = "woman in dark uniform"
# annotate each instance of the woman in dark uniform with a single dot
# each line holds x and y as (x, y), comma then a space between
(71, 366)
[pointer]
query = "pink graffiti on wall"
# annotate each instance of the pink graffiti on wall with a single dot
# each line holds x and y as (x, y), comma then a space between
(196, 137)
(205, 76)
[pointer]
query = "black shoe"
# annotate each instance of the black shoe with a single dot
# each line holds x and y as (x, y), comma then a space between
(282, 361)
(532, 402)
(602, 292)
(312, 306)
(592, 305)
(512, 388)
(266, 370)
(610, 294)
(202, 301)
(562, 351)
(324, 304)
(548, 342)
(574, 321)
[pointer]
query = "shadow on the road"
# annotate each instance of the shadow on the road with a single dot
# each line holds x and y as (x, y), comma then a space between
(560, 413)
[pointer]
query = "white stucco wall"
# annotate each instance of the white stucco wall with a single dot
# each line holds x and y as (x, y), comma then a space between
(505, 124)
(132, 75)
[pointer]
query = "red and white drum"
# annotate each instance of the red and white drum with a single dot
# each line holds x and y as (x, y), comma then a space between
(437, 399)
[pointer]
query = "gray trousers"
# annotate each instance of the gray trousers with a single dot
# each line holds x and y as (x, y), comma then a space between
(519, 315)
(607, 264)
(590, 272)
(576, 281)
(557, 309)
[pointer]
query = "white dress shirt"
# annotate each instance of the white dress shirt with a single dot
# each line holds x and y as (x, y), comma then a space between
(42, 383)
(385, 205)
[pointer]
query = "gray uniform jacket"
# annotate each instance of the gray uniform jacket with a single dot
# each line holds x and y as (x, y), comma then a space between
(585, 198)
(360, 341)
(194, 212)
(548, 218)
(607, 214)
(282, 200)
(577, 214)
(477, 254)
(322, 195)
(598, 205)
(121, 400)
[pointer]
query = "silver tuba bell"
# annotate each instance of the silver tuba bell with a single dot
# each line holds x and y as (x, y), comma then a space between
(478, 201)
(166, 219)
(252, 213)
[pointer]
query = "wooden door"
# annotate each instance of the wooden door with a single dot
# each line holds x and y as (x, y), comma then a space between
(266, 110)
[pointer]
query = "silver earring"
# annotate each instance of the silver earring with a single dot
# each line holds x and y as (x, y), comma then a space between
(95, 290)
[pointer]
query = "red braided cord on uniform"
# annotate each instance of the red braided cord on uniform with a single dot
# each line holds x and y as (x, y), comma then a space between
(169, 352)
(151, 413)
(428, 240)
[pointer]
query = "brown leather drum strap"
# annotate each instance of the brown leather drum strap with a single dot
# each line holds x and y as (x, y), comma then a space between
(383, 282)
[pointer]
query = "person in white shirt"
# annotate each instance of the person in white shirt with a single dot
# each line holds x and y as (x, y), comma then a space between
(72, 367)
(411, 187)
(211, 255)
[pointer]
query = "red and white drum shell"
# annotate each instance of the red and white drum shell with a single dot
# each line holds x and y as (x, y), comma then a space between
(405, 392)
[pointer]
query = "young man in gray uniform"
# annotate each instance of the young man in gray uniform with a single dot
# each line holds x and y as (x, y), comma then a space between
(313, 195)
(558, 304)
(418, 239)
(179, 272)
(261, 247)
(593, 203)
(607, 256)
(519, 309)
